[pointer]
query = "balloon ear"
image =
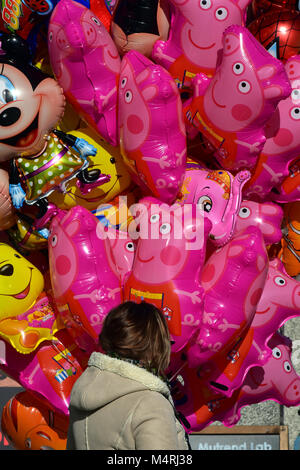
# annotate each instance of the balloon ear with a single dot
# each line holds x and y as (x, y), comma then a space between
(15, 48)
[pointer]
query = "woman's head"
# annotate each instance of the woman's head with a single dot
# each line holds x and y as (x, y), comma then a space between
(137, 331)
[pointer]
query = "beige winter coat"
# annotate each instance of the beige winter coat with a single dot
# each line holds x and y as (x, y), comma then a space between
(116, 405)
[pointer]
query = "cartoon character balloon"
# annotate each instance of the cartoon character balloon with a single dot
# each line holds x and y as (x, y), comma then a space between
(278, 31)
(107, 161)
(195, 36)
(49, 372)
(218, 194)
(86, 64)
(42, 158)
(85, 284)
(27, 314)
(151, 129)
(233, 279)
(33, 425)
(281, 149)
(170, 252)
(137, 25)
(234, 121)
(201, 405)
(267, 216)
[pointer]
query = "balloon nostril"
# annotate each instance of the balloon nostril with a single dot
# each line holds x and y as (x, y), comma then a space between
(9, 116)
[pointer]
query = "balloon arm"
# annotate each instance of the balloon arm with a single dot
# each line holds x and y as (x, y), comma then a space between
(17, 195)
(14, 177)
(80, 145)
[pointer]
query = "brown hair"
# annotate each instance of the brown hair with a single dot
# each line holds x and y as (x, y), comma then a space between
(139, 332)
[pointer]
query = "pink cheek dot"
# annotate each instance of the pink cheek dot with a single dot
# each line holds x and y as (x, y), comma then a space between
(62, 265)
(134, 124)
(241, 112)
(283, 138)
(170, 255)
(255, 297)
(208, 273)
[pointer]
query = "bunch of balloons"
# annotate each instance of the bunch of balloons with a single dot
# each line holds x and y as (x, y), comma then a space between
(149, 152)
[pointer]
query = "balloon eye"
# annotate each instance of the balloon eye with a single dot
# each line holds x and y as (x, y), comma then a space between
(130, 246)
(96, 21)
(165, 228)
(123, 82)
(205, 203)
(244, 86)
(280, 281)
(205, 4)
(221, 14)
(287, 366)
(154, 218)
(295, 113)
(7, 270)
(244, 212)
(8, 92)
(276, 353)
(238, 68)
(54, 240)
(128, 96)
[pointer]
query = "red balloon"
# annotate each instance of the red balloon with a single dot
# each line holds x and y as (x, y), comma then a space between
(265, 6)
(279, 32)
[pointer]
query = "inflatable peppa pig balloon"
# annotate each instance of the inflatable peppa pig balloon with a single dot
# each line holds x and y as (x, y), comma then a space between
(85, 284)
(196, 36)
(86, 64)
(218, 194)
(232, 108)
(49, 372)
(278, 303)
(151, 129)
(171, 246)
(233, 279)
(201, 405)
(267, 216)
(282, 148)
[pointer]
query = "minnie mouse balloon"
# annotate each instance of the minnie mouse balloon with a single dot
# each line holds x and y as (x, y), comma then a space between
(151, 129)
(86, 64)
(232, 108)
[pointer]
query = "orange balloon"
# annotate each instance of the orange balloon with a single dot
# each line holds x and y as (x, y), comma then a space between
(28, 423)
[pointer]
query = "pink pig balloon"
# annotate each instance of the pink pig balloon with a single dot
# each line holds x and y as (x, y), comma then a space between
(49, 372)
(281, 149)
(85, 286)
(276, 380)
(267, 216)
(195, 36)
(232, 108)
(86, 64)
(233, 279)
(219, 195)
(169, 256)
(152, 133)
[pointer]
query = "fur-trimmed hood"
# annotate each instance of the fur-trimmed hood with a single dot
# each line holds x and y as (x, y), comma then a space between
(107, 379)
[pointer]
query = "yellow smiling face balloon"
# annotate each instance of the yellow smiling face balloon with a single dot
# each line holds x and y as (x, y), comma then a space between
(109, 161)
(20, 283)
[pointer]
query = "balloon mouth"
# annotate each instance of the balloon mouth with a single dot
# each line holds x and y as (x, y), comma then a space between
(24, 293)
(24, 138)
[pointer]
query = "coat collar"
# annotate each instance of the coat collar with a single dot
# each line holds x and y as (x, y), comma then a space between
(129, 371)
